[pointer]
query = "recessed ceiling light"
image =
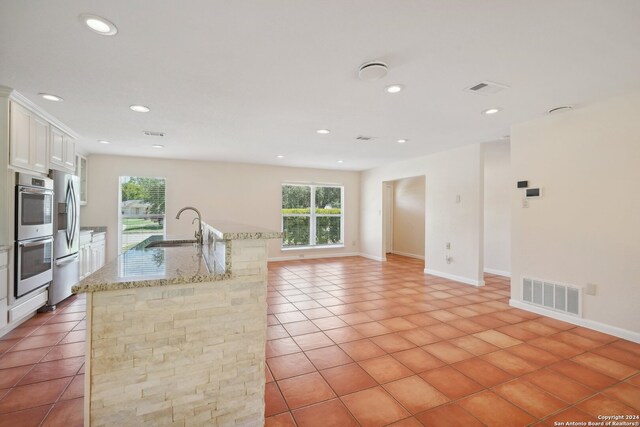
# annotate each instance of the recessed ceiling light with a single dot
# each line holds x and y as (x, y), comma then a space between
(323, 131)
(340, 161)
(491, 110)
(98, 24)
(157, 146)
(560, 109)
(394, 88)
(140, 108)
(280, 156)
(102, 141)
(402, 141)
(50, 97)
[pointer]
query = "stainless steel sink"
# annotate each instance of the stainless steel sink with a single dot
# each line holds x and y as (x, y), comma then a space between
(170, 243)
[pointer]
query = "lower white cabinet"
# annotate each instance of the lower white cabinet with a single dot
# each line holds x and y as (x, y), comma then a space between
(4, 282)
(92, 253)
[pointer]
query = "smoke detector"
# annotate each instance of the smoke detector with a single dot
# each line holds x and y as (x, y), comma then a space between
(372, 70)
(487, 88)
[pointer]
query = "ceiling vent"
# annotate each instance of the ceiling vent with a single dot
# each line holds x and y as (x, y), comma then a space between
(152, 133)
(487, 88)
(372, 70)
(363, 138)
(560, 109)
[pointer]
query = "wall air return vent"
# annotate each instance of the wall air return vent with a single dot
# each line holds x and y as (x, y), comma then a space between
(554, 296)
(487, 88)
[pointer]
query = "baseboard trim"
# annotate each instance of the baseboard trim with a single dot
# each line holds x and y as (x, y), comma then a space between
(579, 321)
(461, 279)
(373, 257)
(497, 272)
(312, 256)
(407, 254)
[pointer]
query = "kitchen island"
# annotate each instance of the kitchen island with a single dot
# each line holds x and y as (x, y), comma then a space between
(176, 332)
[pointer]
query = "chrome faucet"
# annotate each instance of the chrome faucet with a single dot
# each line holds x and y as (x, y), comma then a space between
(198, 233)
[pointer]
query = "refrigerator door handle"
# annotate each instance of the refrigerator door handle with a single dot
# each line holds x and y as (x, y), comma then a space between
(69, 215)
(74, 222)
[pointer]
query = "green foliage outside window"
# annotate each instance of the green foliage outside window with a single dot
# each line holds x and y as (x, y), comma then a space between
(297, 215)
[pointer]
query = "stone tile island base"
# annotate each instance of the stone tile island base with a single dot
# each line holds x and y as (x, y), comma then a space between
(187, 354)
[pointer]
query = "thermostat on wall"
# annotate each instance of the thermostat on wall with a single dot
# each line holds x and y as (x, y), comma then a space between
(534, 192)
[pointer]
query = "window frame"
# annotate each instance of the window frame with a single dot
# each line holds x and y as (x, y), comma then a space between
(121, 216)
(312, 217)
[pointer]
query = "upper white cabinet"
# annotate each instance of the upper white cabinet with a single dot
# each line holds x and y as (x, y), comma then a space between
(56, 150)
(40, 132)
(81, 171)
(62, 152)
(28, 139)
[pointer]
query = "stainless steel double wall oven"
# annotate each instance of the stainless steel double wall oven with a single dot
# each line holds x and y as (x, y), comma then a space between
(34, 233)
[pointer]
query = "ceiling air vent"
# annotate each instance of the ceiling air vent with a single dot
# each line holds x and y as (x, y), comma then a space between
(487, 88)
(560, 109)
(152, 133)
(363, 138)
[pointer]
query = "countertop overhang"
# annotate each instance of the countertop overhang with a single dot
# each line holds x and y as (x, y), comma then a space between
(143, 266)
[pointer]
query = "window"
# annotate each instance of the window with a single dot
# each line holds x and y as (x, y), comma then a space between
(312, 215)
(142, 202)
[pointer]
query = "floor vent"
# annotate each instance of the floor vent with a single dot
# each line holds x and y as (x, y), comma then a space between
(564, 298)
(487, 88)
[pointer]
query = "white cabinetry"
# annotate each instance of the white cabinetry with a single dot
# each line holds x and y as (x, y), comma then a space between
(92, 253)
(62, 152)
(4, 282)
(98, 252)
(81, 171)
(28, 139)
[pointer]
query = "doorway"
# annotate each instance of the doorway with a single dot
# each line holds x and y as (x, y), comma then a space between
(404, 217)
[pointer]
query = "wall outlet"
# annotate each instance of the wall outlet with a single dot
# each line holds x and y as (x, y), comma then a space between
(458, 199)
(591, 289)
(525, 203)
(448, 258)
(448, 245)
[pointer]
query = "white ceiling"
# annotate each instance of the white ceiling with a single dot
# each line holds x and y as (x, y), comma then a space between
(245, 80)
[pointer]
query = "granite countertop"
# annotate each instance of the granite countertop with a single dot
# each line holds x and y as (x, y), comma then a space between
(226, 230)
(143, 266)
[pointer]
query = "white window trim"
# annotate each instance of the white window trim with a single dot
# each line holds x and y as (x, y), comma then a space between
(312, 217)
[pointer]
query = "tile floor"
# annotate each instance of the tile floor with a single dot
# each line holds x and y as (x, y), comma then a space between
(357, 342)
(42, 369)
(354, 342)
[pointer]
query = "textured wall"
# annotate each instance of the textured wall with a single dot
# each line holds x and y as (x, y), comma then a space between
(178, 355)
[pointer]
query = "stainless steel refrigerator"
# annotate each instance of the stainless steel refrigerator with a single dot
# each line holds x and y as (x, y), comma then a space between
(66, 236)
